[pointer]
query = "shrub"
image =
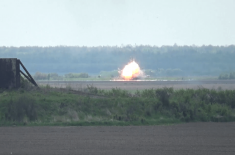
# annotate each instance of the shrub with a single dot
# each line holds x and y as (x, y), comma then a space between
(24, 83)
(41, 76)
(117, 92)
(225, 76)
(54, 76)
(76, 75)
(21, 107)
(91, 89)
(164, 94)
(45, 76)
(232, 75)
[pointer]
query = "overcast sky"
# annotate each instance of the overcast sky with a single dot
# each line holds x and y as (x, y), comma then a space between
(116, 22)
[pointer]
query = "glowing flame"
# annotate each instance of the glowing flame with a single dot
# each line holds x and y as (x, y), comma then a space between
(131, 71)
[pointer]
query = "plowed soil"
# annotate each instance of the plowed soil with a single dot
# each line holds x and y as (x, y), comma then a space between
(189, 138)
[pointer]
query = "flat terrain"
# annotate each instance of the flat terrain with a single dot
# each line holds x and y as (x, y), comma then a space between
(140, 85)
(190, 138)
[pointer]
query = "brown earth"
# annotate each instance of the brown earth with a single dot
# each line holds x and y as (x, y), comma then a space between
(189, 138)
(140, 85)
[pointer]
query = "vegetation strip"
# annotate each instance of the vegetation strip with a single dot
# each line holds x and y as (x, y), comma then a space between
(50, 106)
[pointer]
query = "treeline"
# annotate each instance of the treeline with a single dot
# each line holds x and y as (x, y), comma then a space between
(225, 76)
(163, 61)
(55, 76)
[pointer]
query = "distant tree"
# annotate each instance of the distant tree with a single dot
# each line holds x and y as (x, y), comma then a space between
(232, 75)
(223, 76)
(76, 75)
(40, 76)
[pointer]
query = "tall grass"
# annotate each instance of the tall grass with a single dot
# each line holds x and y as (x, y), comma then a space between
(47, 106)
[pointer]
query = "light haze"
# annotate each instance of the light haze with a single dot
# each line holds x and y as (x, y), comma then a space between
(116, 22)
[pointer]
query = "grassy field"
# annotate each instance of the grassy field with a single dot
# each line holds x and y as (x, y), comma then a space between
(93, 106)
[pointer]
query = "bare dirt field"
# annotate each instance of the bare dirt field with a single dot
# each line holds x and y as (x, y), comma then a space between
(140, 85)
(189, 138)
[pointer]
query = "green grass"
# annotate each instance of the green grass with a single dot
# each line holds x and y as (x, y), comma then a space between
(49, 106)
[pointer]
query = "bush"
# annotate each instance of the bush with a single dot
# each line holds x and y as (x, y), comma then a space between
(41, 76)
(225, 76)
(20, 108)
(91, 89)
(76, 75)
(54, 76)
(232, 75)
(24, 83)
(45, 76)
(112, 74)
(164, 94)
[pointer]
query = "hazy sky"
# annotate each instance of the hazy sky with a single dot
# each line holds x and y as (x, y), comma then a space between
(116, 22)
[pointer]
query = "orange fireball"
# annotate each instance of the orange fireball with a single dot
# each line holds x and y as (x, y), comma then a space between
(131, 71)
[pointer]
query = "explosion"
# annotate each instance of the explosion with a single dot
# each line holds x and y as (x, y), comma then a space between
(130, 71)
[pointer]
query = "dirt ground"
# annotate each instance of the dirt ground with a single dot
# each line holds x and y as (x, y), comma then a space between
(189, 138)
(140, 85)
